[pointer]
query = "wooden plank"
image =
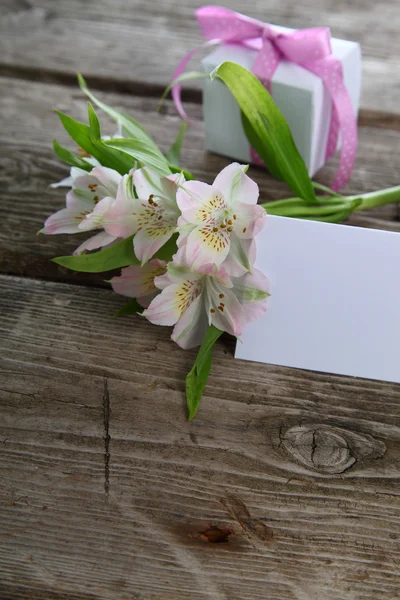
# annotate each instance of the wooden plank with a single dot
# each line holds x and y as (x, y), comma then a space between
(28, 166)
(134, 44)
(107, 492)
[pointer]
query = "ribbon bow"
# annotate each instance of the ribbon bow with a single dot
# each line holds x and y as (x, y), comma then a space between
(308, 48)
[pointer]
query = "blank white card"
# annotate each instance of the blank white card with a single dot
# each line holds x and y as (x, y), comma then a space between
(335, 299)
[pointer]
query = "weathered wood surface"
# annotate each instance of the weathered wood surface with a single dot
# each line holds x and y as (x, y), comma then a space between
(28, 166)
(106, 492)
(286, 485)
(137, 44)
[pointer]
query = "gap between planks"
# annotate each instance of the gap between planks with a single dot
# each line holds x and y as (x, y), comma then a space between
(366, 117)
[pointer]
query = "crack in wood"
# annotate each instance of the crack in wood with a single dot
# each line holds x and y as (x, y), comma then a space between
(107, 438)
(366, 118)
(96, 82)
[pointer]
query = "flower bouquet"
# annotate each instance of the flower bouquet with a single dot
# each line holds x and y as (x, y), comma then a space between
(186, 249)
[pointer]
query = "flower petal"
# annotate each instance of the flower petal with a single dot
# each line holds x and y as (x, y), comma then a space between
(120, 219)
(136, 282)
(79, 202)
(236, 186)
(149, 240)
(170, 186)
(66, 182)
(250, 220)
(108, 178)
(94, 220)
(251, 287)
(224, 309)
(252, 290)
(100, 240)
(241, 257)
(194, 194)
(205, 245)
(69, 181)
(192, 325)
(66, 220)
(147, 183)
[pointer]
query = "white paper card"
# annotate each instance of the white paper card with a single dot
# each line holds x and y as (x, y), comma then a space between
(335, 299)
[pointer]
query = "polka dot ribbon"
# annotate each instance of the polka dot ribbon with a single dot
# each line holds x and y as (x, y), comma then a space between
(308, 48)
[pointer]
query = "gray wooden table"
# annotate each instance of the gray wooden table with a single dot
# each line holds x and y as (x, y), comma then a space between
(286, 486)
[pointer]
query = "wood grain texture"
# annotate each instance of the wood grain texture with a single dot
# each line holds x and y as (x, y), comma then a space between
(284, 487)
(134, 43)
(28, 166)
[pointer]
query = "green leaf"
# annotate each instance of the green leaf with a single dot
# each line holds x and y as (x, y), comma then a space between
(70, 158)
(140, 152)
(130, 308)
(84, 137)
(197, 377)
(188, 176)
(174, 153)
(94, 123)
(118, 255)
(130, 127)
(267, 129)
(168, 250)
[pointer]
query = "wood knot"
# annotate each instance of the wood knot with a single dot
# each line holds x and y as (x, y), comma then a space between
(213, 535)
(329, 449)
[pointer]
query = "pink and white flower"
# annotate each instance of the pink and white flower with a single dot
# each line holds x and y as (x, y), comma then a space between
(193, 300)
(219, 221)
(138, 282)
(84, 204)
(88, 190)
(151, 214)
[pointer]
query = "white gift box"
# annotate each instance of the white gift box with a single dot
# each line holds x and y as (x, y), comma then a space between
(300, 95)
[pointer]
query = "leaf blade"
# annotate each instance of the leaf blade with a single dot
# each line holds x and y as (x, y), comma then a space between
(118, 255)
(70, 158)
(130, 127)
(267, 129)
(132, 307)
(197, 377)
(140, 152)
(83, 137)
(173, 154)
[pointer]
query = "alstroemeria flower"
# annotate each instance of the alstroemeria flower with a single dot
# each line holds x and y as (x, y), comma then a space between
(219, 221)
(88, 191)
(152, 215)
(138, 282)
(194, 300)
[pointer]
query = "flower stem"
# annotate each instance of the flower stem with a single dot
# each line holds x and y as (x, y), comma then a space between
(333, 208)
(324, 188)
(379, 198)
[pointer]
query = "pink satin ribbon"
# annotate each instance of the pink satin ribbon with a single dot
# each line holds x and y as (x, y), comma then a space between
(309, 48)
